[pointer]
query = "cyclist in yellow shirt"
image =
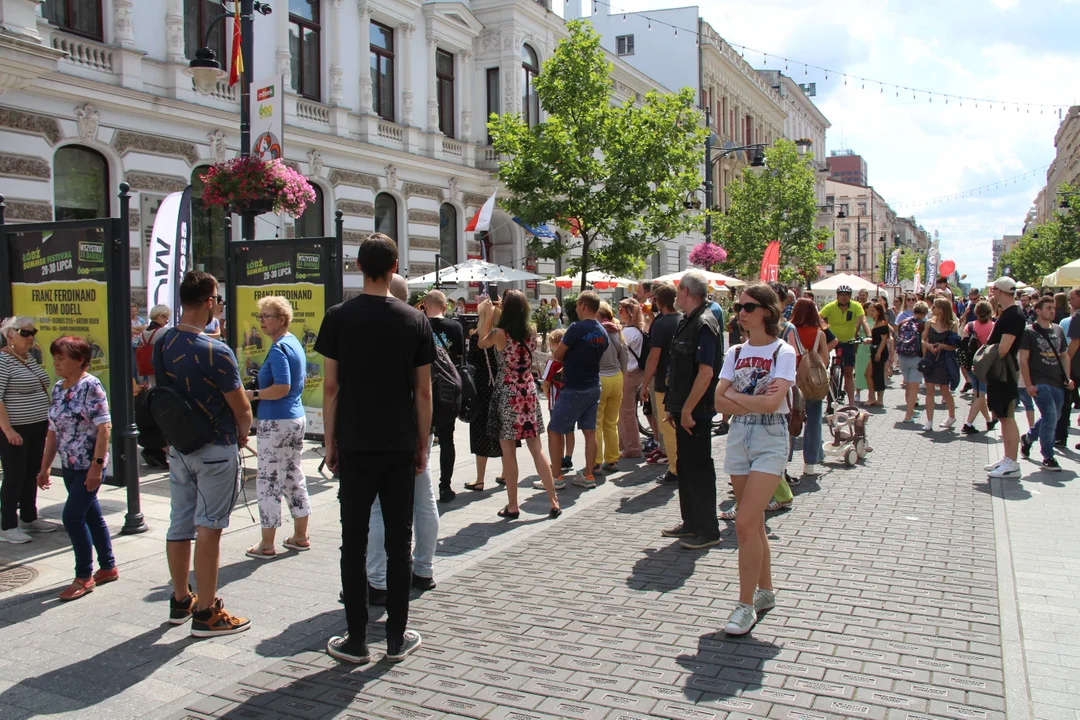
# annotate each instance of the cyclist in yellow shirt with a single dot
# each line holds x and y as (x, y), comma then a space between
(845, 318)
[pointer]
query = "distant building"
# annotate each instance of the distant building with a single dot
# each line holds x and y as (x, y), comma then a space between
(846, 166)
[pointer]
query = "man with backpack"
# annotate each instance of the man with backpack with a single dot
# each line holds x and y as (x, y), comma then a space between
(1043, 357)
(377, 413)
(451, 338)
(200, 405)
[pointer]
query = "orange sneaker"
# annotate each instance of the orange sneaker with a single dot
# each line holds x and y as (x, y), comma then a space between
(216, 621)
(106, 576)
(78, 588)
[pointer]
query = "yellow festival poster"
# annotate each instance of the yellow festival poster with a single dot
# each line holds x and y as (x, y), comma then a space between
(58, 279)
(298, 272)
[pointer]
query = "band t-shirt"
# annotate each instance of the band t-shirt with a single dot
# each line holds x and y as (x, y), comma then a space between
(378, 343)
(756, 368)
(449, 336)
(1044, 364)
(1010, 322)
(585, 341)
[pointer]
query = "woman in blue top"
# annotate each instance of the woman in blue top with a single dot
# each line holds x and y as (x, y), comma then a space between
(281, 429)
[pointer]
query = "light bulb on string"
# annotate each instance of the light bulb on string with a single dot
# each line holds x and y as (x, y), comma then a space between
(805, 70)
(765, 59)
(845, 80)
(676, 32)
(785, 66)
(650, 24)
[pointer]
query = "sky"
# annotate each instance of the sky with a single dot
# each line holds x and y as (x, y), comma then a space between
(1015, 51)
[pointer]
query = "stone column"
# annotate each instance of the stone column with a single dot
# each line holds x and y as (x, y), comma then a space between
(406, 32)
(465, 89)
(284, 57)
(123, 25)
(432, 84)
(337, 90)
(365, 58)
(174, 31)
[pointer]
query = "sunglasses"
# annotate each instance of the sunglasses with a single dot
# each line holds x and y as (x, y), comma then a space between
(28, 333)
(747, 307)
(218, 299)
(264, 316)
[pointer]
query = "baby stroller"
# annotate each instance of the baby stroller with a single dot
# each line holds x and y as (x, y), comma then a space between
(848, 427)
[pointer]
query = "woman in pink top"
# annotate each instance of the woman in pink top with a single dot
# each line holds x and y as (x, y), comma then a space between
(981, 329)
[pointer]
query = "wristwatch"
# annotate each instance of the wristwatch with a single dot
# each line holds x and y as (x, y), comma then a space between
(255, 393)
(99, 461)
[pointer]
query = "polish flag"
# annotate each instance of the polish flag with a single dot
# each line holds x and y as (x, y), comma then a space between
(481, 221)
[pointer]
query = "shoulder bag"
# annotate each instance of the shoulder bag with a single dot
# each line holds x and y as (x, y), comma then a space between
(183, 427)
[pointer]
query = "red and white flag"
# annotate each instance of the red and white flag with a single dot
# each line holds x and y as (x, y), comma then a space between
(770, 262)
(481, 221)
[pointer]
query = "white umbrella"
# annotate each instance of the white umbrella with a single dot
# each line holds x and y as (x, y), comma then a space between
(856, 283)
(473, 271)
(596, 278)
(1065, 275)
(713, 278)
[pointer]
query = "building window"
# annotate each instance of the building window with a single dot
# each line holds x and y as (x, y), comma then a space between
(382, 70)
(207, 230)
(530, 101)
(81, 184)
(624, 45)
(444, 85)
(310, 224)
(304, 47)
(493, 104)
(82, 17)
(386, 216)
(448, 235)
(198, 14)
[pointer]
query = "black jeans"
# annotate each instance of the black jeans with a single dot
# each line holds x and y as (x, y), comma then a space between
(697, 479)
(21, 463)
(1061, 433)
(391, 477)
(447, 454)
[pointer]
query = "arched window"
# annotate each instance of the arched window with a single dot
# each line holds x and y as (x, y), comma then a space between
(448, 234)
(386, 216)
(310, 224)
(530, 101)
(80, 184)
(207, 230)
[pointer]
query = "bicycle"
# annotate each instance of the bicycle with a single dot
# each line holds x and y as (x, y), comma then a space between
(837, 394)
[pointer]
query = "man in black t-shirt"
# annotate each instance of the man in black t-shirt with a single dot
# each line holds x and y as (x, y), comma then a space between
(451, 338)
(1001, 396)
(377, 415)
(656, 369)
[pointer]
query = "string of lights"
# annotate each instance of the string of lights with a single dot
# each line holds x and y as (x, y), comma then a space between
(880, 85)
(971, 192)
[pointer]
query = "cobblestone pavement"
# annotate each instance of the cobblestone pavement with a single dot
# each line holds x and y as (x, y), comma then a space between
(888, 607)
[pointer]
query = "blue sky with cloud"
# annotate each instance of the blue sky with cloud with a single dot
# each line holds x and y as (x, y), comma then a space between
(1007, 50)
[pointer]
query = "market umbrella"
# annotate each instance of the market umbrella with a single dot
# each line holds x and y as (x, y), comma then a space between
(713, 278)
(1065, 275)
(856, 283)
(473, 271)
(599, 280)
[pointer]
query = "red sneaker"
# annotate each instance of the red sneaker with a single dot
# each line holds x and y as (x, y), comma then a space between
(107, 576)
(657, 458)
(77, 589)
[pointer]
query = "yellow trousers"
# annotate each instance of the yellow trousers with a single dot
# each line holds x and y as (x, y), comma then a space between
(668, 432)
(607, 418)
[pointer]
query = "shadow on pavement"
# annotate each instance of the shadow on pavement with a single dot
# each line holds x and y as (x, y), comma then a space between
(655, 497)
(668, 568)
(1012, 489)
(234, 572)
(721, 657)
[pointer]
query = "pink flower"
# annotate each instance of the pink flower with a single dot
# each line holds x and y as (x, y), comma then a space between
(707, 254)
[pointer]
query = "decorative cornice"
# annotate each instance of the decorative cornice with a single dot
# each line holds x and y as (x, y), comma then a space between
(354, 237)
(29, 210)
(421, 190)
(424, 217)
(357, 208)
(153, 182)
(24, 166)
(31, 123)
(355, 179)
(134, 219)
(135, 258)
(292, 164)
(420, 242)
(473, 199)
(125, 141)
(416, 269)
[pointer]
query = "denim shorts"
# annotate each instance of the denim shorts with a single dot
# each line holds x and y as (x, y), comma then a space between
(1025, 399)
(575, 406)
(754, 446)
(909, 369)
(202, 489)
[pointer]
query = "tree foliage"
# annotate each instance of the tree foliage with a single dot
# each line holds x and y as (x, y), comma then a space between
(621, 171)
(1051, 245)
(777, 203)
(905, 265)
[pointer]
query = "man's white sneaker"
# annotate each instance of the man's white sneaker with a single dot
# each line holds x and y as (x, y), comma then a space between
(38, 526)
(764, 600)
(993, 465)
(1007, 469)
(14, 535)
(742, 620)
(948, 423)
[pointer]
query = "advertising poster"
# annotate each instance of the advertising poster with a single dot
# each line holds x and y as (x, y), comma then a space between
(297, 271)
(58, 279)
(267, 118)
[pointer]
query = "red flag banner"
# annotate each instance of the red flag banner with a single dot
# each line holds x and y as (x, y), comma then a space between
(237, 64)
(770, 263)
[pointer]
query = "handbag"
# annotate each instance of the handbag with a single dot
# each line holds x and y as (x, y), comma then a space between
(928, 363)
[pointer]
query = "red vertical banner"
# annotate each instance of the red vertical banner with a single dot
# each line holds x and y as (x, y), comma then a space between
(770, 263)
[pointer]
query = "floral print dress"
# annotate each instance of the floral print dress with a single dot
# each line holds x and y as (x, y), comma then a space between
(75, 414)
(515, 405)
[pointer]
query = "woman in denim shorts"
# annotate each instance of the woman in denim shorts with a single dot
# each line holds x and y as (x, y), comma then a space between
(909, 363)
(753, 390)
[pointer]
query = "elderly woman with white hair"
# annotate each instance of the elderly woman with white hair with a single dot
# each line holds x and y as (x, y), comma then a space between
(24, 420)
(160, 315)
(281, 429)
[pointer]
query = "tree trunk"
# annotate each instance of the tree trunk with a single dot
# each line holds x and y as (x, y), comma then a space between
(584, 261)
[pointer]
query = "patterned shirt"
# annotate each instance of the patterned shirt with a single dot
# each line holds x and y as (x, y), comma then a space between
(22, 390)
(75, 415)
(204, 370)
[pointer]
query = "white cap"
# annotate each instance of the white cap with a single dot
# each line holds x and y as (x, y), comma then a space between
(1005, 284)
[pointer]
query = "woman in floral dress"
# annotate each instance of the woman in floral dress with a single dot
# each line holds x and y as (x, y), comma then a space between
(515, 405)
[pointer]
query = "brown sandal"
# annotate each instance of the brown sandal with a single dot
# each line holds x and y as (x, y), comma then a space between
(258, 552)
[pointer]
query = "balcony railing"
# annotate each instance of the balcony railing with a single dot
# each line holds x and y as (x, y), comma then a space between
(312, 112)
(223, 92)
(84, 53)
(390, 131)
(452, 147)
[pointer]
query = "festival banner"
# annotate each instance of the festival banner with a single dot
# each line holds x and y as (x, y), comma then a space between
(299, 272)
(931, 267)
(894, 268)
(169, 252)
(58, 279)
(918, 275)
(267, 118)
(770, 262)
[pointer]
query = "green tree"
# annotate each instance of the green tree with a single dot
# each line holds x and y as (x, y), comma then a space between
(1051, 245)
(778, 203)
(621, 171)
(905, 265)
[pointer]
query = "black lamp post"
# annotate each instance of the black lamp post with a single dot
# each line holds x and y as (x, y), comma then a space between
(206, 72)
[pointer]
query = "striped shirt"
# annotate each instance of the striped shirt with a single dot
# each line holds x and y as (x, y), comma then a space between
(22, 390)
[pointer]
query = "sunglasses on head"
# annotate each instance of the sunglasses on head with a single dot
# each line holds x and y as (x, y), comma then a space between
(28, 333)
(748, 307)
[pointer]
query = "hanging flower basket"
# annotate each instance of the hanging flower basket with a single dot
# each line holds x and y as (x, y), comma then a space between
(253, 185)
(706, 255)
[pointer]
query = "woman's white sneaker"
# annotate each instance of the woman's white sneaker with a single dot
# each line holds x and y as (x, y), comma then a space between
(948, 423)
(15, 536)
(38, 526)
(764, 600)
(742, 620)
(1009, 468)
(993, 465)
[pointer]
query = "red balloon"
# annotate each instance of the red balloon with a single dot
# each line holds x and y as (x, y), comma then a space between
(947, 268)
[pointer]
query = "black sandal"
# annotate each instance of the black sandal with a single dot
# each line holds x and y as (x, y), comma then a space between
(500, 481)
(475, 487)
(555, 512)
(505, 513)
